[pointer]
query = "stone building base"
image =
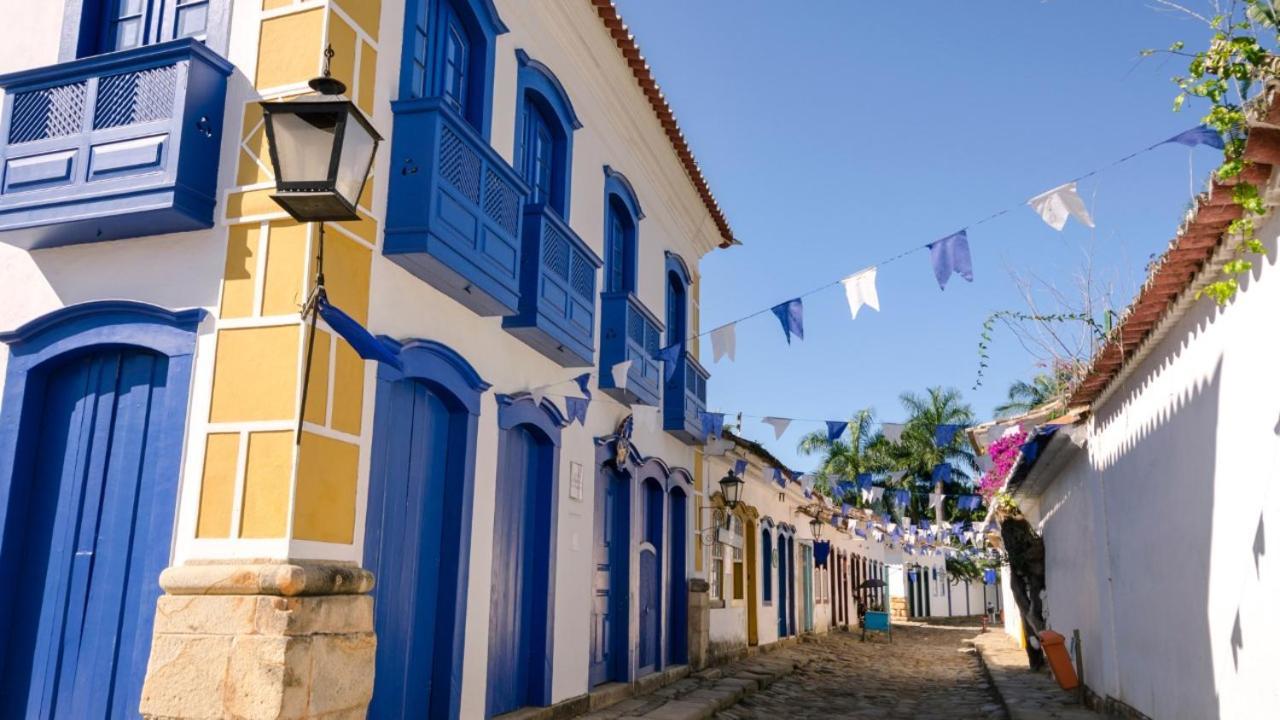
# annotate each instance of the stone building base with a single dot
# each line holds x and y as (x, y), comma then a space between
(262, 641)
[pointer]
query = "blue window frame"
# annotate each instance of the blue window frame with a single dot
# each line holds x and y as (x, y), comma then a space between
(544, 134)
(126, 24)
(622, 223)
(449, 51)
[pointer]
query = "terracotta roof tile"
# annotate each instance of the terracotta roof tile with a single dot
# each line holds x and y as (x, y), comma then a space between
(626, 42)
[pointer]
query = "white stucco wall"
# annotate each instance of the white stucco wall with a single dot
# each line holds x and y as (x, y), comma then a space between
(1156, 533)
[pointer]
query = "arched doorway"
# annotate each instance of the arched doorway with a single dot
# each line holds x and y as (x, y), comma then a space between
(784, 592)
(752, 562)
(521, 600)
(418, 528)
(91, 435)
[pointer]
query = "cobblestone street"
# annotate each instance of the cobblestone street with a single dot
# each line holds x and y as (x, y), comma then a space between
(926, 672)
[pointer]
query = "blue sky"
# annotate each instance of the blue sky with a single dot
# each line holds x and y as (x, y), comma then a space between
(836, 134)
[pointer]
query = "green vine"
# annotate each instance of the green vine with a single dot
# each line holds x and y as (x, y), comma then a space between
(1224, 73)
(988, 330)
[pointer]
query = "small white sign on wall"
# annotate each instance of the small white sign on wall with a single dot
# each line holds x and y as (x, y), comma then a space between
(575, 481)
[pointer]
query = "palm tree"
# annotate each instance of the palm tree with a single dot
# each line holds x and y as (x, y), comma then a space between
(862, 449)
(1025, 396)
(917, 452)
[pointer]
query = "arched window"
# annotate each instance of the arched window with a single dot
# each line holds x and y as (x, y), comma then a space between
(766, 559)
(544, 134)
(678, 281)
(448, 53)
(621, 231)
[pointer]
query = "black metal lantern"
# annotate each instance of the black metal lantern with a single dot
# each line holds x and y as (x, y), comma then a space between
(321, 147)
(731, 490)
(815, 527)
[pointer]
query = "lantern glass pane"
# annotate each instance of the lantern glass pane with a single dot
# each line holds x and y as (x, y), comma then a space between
(357, 152)
(304, 146)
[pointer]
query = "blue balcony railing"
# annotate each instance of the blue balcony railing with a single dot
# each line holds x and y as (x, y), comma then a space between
(112, 146)
(684, 399)
(453, 208)
(557, 313)
(628, 331)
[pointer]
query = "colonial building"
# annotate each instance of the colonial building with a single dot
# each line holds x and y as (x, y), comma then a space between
(207, 510)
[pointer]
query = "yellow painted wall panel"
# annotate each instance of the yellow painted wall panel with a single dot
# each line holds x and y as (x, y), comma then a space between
(346, 275)
(249, 170)
(348, 390)
(289, 50)
(218, 485)
(343, 40)
(252, 202)
(238, 275)
(366, 228)
(325, 502)
(317, 403)
(267, 472)
(252, 118)
(255, 374)
(368, 79)
(287, 249)
(364, 12)
(273, 4)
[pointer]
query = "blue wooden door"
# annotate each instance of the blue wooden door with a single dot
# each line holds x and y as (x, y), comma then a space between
(782, 586)
(649, 609)
(807, 551)
(677, 583)
(791, 585)
(609, 610)
(411, 543)
(539, 149)
(518, 660)
(95, 534)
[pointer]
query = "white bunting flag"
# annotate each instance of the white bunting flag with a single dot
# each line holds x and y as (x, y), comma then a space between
(620, 371)
(645, 417)
(876, 493)
(724, 341)
(860, 289)
(892, 431)
(935, 499)
(1055, 205)
(779, 425)
(538, 393)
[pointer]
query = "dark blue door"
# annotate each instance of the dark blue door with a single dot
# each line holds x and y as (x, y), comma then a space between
(94, 533)
(518, 661)
(609, 610)
(411, 545)
(782, 586)
(651, 578)
(677, 584)
(791, 585)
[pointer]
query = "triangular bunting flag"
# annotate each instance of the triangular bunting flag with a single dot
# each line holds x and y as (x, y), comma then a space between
(712, 424)
(1053, 206)
(1200, 135)
(779, 478)
(859, 290)
(835, 428)
(669, 356)
(619, 372)
(944, 433)
(577, 409)
(935, 499)
(791, 315)
(724, 342)
(740, 468)
(584, 381)
(892, 431)
(951, 255)
(779, 426)
(361, 340)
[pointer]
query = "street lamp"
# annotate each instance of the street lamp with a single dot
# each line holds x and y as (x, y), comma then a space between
(731, 490)
(815, 527)
(321, 149)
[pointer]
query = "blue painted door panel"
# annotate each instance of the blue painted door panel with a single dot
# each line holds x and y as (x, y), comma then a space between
(609, 603)
(782, 586)
(518, 661)
(677, 583)
(97, 532)
(808, 587)
(404, 547)
(650, 591)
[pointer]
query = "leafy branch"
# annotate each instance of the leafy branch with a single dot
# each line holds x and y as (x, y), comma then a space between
(988, 330)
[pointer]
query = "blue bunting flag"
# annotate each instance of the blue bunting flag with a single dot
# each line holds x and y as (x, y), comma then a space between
(951, 255)
(791, 315)
(712, 424)
(669, 356)
(361, 340)
(1199, 135)
(835, 428)
(945, 433)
